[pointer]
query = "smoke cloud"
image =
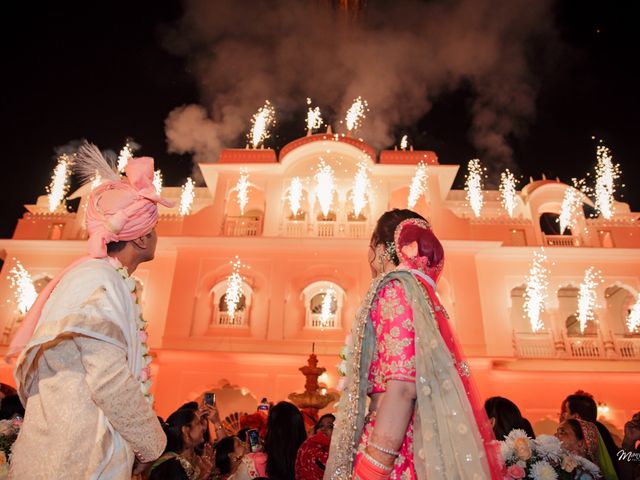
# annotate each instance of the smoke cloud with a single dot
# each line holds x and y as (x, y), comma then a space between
(400, 56)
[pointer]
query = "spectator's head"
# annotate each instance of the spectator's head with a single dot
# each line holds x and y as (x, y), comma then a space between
(580, 405)
(571, 437)
(285, 434)
(229, 451)
(184, 431)
(505, 416)
(11, 407)
(325, 424)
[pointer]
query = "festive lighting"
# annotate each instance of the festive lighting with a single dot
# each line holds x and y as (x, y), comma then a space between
(587, 297)
(242, 190)
(361, 187)
(473, 186)
(157, 181)
(356, 114)
(22, 286)
(314, 117)
(187, 196)
(633, 320)
(508, 193)
(264, 118)
(123, 157)
(97, 180)
(326, 309)
(606, 175)
(325, 186)
(603, 409)
(418, 184)
(59, 183)
(294, 195)
(535, 292)
(571, 204)
(234, 291)
(404, 142)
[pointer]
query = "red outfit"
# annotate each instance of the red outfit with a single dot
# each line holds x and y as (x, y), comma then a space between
(312, 457)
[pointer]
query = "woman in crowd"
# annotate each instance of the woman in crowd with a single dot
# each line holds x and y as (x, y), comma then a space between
(313, 453)
(582, 438)
(229, 453)
(400, 355)
(185, 431)
(285, 434)
(504, 416)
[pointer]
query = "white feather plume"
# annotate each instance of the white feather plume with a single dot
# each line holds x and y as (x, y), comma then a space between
(89, 162)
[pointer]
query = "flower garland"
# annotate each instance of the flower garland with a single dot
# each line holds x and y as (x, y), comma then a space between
(145, 373)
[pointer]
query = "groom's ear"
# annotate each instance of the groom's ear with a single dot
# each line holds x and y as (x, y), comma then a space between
(141, 242)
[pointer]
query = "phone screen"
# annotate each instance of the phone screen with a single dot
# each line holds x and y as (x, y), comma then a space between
(209, 398)
(253, 437)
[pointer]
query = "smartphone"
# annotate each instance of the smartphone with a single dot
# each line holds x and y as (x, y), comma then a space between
(209, 398)
(253, 437)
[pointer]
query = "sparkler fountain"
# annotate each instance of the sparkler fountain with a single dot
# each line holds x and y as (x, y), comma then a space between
(571, 204)
(264, 118)
(314, 118)
(242, 190)
(473, 186)
(587, 297)
(59, 183)
(325, 187)
(404, 143)
(294, 196)
(508, 193)
(633, 320)
(234, 290)
(418, 185)
(157, 181)
(535, 293)
(187, 196)
(356, 114)
(123, 158)
(606, 175)
(361, 188)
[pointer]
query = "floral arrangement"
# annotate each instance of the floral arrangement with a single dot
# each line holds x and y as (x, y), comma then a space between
(143, 336)
(543, 459)
(9, 430)
(342, 366)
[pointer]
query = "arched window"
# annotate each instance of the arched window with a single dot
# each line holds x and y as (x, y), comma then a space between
(519, 321)
(550, 225)
(323, 305)
(219, 307)
(567, 308)
(620, 301)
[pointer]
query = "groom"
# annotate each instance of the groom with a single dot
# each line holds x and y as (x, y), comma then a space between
(83, 368)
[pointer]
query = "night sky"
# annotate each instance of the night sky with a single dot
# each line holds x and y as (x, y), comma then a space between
(100, 70)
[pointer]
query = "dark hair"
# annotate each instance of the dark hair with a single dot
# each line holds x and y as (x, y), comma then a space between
(173, 429)
(326, 415)
(577, 429)
(115, 247)
(242, 434)
(224, 447)
(507, 416)
(190, 406)
(386, 225)
(11, 406)
(583, 404)
(285, 434)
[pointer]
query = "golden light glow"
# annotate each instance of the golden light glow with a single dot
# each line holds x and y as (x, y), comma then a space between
(325, 186)
(59, 183)
(187, 196)
(508, 193)
(587, 297)
(97, 180)
(606, 175)
(294, 195)
(123, 158)
(361, 188)
(314, 117)
(473, 186)
(22, 285)
(264, 119)
(535, 293)
(157, 181)
(356, 114)
(418, 185)
(242, 190)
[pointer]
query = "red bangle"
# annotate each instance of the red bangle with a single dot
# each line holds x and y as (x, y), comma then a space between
(368, 468)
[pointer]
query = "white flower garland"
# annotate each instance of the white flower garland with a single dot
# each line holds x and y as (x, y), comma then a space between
(145, 373)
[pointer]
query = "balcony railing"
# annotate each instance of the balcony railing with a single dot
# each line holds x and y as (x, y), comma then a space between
(227, 320)
(561, 240)
(242, 227)
(325, 229)
(295, 228)
(544, 345)
(315, 321)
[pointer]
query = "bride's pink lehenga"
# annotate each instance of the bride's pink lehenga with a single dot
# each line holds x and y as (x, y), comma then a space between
(402, 333)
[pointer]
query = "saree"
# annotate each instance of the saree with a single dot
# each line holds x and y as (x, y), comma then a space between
(452, 437)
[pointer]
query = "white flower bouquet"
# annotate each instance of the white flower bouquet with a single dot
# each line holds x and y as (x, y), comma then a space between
(543, 459)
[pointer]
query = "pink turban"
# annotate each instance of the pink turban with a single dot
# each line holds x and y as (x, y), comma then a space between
(123, 210)
(117, 210)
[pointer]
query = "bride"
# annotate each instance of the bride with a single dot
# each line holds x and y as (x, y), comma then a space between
(424, 418)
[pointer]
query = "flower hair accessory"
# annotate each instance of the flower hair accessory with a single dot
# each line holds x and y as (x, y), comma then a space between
(390, 253)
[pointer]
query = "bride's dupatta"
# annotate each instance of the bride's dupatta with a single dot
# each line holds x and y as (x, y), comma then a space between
(453, 439)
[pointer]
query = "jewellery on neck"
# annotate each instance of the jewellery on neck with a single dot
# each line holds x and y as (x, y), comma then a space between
(393, 453)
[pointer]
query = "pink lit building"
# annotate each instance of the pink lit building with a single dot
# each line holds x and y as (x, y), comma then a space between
(293, 260)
